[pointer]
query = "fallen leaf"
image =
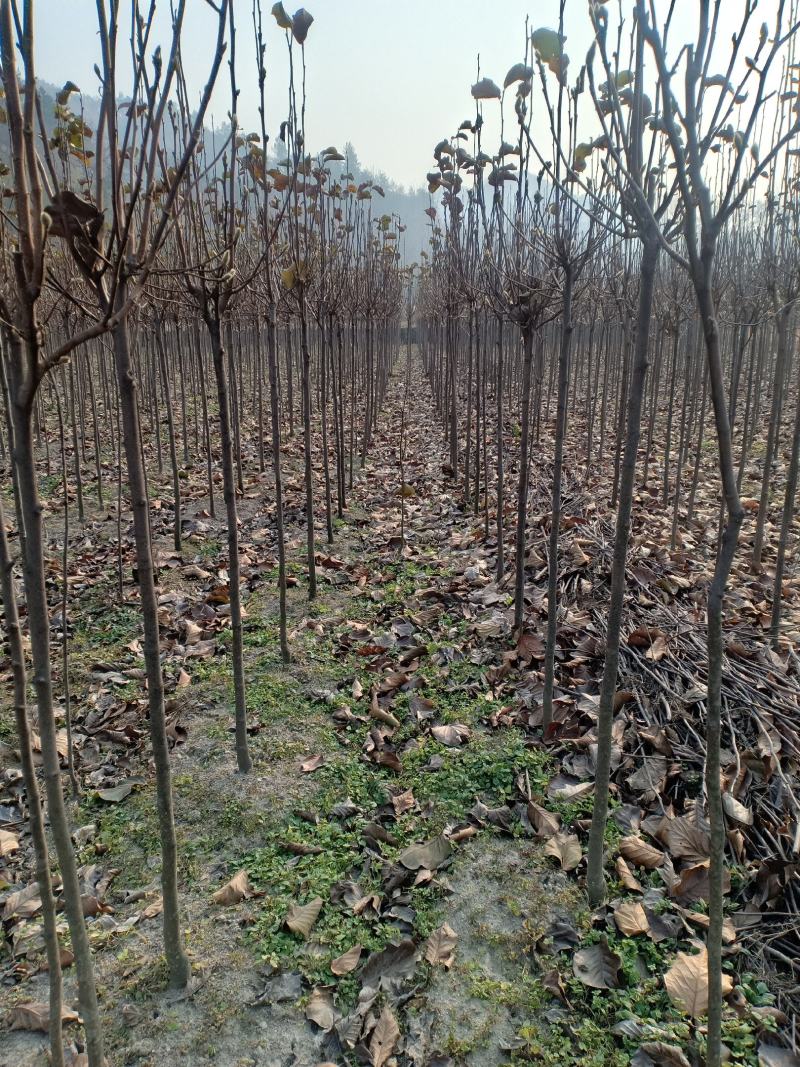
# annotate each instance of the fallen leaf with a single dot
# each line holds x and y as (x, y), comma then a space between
(36, 1016)
(736, 810)
(545, 822)
(320, 1009)
(452, 734)
(312, 764)
(597, 966)
(300, 918)
(631, 919)
(637, 850)
(659, 1054)
(686, 983)
(234, 891)
(391, 964)
(347, 962)
(430, 855)
(439, 946)
(384, 1038)
(566, 848)
(772, 1056)
(8, 842)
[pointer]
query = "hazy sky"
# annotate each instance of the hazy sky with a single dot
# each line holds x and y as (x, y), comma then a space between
(391, 77)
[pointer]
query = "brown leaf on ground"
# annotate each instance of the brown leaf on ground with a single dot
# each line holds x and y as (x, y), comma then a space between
(321, 1010)
(627, 877)
(8, 842)
(430, 855)
(545, 822)
(234, 891)
(300, 918)
(630, 918)
(636, 850)
(36, 1016)
(347, 962)
(440, 945)
(384, 1038)
(686, 983)
(313, 763)
(597, 966)
(451, 734)
(566, 848)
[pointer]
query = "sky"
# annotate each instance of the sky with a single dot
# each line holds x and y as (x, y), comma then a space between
(392, 77)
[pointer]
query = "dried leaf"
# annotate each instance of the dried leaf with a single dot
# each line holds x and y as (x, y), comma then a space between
(430, 855)
(452, 734)
(384, 1038)
(36, 1016)
(636, 850)
(631, 919)
(772, 1056)
(687, 841)
(626, 876)
(8, 842)
(439, 946)
(546, 822)
(566, 848)
(347, 962)
(312, 764)
(597, 966)
(736, 810)
(300, 918)
(234, 891)
(320, 1009)
(686, 983)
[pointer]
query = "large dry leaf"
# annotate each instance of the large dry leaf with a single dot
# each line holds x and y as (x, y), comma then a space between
(23, 903)
(686, 983)
(36, 1016)
(234, 891)
(347, 962)
(626, 876)
(403, 801)
(566, 848)
(660, 1054)
(430, 855)
(693, 883)
(597, 966)
(735, 810)
(8, 842)
(320, 1009)
(391, 964)
(313, 763)
(545, 822)
(631, 919)
(300, 918)
(439, 946)
(687, 841)
(384, 1038)
(636, 850)
(452, 734)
